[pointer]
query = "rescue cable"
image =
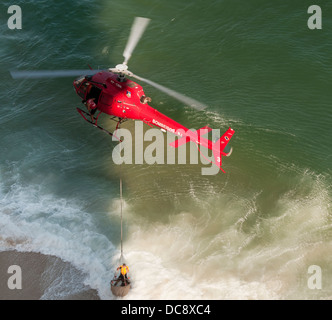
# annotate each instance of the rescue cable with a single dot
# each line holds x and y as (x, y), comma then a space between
(121, 257)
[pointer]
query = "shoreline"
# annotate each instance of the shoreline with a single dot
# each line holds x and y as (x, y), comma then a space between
(44, 277)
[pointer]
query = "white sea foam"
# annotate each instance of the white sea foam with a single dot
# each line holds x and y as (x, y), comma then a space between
(33, 222)
(190, 258)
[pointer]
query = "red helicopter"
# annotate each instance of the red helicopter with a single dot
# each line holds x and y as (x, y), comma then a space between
(111, 92)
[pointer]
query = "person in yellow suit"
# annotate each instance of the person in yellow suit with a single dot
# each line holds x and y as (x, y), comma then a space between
(124, 269)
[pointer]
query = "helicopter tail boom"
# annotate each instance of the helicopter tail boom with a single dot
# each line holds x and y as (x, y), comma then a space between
(218, 148)
(195, 136)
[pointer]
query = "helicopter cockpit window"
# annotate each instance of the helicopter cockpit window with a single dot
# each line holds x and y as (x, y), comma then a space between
(78, 81)
(88, 91)
(82, 89)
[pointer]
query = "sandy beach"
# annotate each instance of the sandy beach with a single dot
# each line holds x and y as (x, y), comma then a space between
(43, 277)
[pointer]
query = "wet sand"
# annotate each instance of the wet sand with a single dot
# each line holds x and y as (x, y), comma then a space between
(43, 277)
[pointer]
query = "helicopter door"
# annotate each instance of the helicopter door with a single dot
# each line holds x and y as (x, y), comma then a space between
(93, 92)
(105, 102)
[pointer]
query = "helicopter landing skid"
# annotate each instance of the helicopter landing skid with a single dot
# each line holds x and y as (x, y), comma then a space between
(83, 113)
(119, 121)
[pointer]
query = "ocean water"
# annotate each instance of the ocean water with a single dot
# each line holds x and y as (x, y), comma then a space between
(249, 233)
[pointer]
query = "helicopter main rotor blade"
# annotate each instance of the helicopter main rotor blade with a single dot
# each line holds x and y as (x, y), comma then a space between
(42, 74)
(182, 98)
(136, 33)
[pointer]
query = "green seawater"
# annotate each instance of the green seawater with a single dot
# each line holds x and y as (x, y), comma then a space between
(260, 70)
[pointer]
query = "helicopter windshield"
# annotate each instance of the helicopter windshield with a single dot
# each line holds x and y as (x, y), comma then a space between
(86, 91)
(82, 89)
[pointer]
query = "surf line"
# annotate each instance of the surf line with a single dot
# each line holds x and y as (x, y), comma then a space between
(138, 310)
